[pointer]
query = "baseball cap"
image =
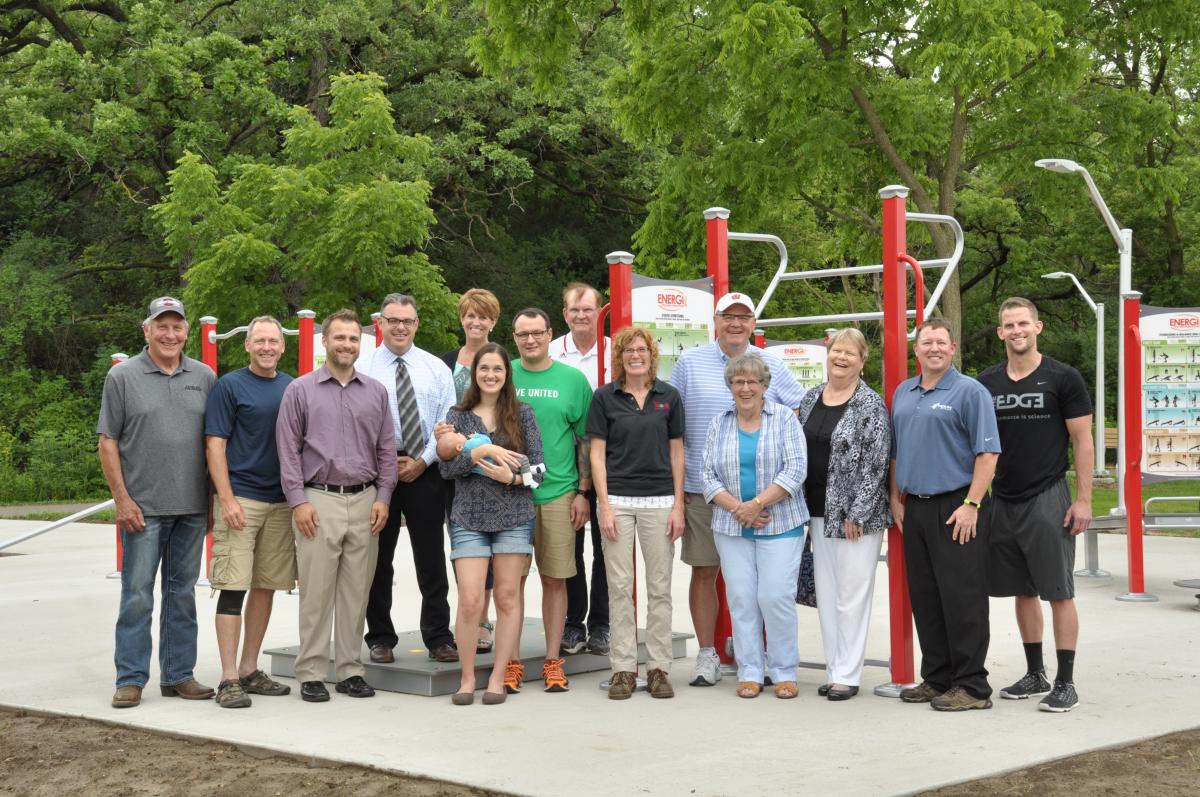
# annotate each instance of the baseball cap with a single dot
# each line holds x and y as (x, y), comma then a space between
(165, 304)
(732, 298)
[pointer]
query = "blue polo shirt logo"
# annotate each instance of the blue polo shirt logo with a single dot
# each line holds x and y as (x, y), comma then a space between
(936, 406)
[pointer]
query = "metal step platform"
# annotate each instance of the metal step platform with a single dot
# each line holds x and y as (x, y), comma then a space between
(413, 673)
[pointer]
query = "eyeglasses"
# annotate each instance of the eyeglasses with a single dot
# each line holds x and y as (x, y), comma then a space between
(642, 350)
(744, 383)
(393, 323)
(731, 317)
(581, 311)
(536, 334)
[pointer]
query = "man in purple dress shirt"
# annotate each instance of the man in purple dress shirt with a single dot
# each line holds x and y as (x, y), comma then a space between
(337, 461)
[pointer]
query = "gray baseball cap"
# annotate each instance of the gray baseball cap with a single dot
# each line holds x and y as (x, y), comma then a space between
(165, 304)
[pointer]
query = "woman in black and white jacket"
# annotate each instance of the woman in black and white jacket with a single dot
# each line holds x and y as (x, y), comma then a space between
(848, 431)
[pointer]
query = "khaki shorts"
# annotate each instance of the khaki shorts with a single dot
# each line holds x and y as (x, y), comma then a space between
(262, 555)
(553, 537)
(698, 549)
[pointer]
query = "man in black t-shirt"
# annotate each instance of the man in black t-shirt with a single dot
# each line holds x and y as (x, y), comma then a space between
(1041, 406)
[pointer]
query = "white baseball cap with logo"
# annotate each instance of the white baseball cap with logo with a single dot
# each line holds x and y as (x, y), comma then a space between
(732, 298)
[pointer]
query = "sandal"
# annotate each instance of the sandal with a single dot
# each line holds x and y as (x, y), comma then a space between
(485, 645)
(748, 689)
(786, 690)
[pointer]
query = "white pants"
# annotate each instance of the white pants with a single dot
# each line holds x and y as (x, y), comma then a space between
(845, 575)
(760, 585)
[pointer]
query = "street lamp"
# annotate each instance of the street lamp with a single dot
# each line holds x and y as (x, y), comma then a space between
(1098, 309)
(1124, 239)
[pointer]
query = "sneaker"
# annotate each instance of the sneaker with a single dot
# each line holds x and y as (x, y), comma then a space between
(922, 693)
(231, 695)
(959, 699)
(1030, 685)
(1061, 699)
(598, 642)
(707, 670)
(259, 683)
(658, 684)
(552, 674)
(514, 674)
(572, 641)
(621, 685)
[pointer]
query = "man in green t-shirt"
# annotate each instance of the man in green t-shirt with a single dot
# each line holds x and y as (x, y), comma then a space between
(560, 396)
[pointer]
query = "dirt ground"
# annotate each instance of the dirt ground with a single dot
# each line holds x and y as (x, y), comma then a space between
(45, 756)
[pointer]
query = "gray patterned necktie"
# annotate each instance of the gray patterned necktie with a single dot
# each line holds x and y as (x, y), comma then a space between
(410, 417)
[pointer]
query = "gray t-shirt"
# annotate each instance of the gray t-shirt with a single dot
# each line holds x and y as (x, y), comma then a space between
(157, 420)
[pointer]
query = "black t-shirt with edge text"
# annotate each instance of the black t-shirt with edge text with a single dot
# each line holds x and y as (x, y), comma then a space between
(1032, 414)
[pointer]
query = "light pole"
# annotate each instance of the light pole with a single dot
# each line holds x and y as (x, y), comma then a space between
(1098, 309)
(1124, 239)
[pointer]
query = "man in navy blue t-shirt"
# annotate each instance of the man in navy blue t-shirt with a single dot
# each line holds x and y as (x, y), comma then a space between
(253, 548)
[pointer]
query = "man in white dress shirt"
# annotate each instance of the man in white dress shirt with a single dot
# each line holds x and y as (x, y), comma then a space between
(421, 391)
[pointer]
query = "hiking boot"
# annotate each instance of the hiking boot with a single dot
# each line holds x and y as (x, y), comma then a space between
(959, 699)
(514, 674)
(259, 683)
(552, 674)
(1030, 685)
(707, 670)
(598, 642)
(922, 693)
(572, 641)
(621, 686)
(230, 694)
(659, 684)
(1061, 699)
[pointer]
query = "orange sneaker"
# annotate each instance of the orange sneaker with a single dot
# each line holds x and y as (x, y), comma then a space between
(514, 673)
(552, 674)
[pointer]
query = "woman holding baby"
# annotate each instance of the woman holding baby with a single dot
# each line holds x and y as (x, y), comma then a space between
(492, 514)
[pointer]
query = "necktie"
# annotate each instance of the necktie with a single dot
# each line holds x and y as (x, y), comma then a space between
(413, 441)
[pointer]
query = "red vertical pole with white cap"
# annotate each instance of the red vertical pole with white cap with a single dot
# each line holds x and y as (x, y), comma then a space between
(306, 326)
(1132, 418)
(895, 371)
(117, 359)
(208, 353)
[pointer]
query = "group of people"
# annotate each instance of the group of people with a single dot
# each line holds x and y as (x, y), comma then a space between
(313, 478)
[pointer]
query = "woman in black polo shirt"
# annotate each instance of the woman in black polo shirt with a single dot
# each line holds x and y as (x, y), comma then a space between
(636, 430)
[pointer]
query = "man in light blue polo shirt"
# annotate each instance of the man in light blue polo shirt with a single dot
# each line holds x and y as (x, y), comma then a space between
(699, 376)
(945, 446)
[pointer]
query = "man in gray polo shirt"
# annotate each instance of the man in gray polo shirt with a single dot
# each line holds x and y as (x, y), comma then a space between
(152, 452)
(945, 446)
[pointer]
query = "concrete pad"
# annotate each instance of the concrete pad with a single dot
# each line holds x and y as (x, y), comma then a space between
(1138, 674)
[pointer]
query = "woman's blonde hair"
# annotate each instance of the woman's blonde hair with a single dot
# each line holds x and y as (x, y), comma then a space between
(850, 335)
(622, 341)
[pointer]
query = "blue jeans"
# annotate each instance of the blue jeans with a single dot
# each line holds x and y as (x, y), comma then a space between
(176, 543)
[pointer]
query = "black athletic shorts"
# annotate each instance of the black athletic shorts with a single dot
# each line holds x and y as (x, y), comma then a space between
(1031, 553)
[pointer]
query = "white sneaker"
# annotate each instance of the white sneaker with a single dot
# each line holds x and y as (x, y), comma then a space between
(707, 670)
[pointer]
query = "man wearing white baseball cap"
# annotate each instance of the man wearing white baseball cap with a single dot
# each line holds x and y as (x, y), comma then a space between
(699, 376)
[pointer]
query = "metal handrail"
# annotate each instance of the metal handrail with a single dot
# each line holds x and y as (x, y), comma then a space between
(1167, 498)
(59, 523)
(213, 337)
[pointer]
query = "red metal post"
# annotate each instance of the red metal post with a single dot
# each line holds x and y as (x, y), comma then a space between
(117, 359)
(620, 291)
(1133, 444)
(895, 371)
(306, 326)
(208, 353)
(716, 225)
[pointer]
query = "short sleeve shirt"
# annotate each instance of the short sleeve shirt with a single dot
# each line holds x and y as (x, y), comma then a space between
(1032, 415)
(937, 433)
(157, 420)
(560, 396)
(637, 451)
(243, 408)
(699, 376)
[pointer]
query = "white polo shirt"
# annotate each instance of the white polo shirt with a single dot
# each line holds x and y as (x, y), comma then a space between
(564, 350)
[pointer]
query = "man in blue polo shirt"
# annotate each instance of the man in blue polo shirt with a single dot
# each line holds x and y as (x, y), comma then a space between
(699, 376)
(945, 446)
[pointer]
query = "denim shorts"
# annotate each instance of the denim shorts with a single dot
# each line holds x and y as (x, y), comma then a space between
(465, 543)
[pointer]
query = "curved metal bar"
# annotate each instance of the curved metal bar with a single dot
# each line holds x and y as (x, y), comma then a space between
(780, 246)
(601, 317)
(225, 335)
(935, 218)
(91, 510)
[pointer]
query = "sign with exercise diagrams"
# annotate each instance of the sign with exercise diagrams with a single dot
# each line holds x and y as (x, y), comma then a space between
(678, 312)
(1171, 393)
(806, 360)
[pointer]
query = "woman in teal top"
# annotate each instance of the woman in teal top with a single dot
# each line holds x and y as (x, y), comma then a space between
(755, 461)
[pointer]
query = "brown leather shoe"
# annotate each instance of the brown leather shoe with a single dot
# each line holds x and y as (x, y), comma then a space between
(189, 690)
(658, 684)
(445, 653)
(127, 696)
(382, 654)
